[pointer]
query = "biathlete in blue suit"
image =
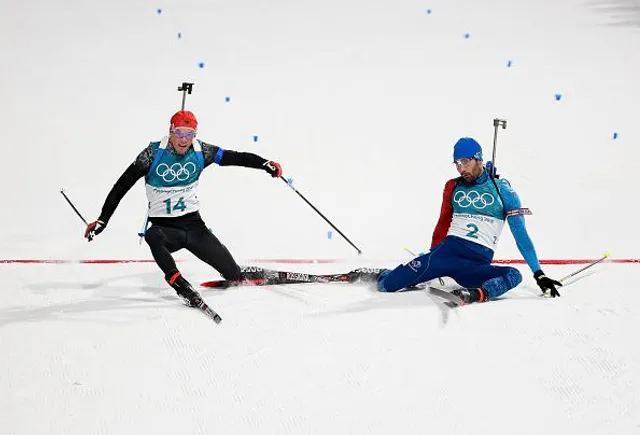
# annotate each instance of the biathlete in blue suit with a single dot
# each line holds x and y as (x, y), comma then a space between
(171, 169)
(474, 210)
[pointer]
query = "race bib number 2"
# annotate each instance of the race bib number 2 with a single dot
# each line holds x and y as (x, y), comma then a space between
(474, 233)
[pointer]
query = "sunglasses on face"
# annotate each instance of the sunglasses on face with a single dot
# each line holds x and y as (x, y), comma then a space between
(184, 133)
(463, 162)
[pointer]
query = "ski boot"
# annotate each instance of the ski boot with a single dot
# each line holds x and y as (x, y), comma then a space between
(365, 274)
(252, 272)
(191, 297)
(470, 295)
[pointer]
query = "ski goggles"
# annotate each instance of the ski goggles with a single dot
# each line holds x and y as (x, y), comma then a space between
(463, 162)
(183, 133)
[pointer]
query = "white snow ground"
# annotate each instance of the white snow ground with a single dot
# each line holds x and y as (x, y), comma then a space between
(361, 102)
(92, 349)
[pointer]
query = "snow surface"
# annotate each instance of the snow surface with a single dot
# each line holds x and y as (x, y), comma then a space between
(361, 103)
(108, 349)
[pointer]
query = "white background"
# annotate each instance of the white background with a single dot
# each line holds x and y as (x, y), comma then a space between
(360, 102)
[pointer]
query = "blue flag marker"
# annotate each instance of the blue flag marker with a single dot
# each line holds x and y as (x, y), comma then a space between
(255, 138)
(329, 234)
(558, 97)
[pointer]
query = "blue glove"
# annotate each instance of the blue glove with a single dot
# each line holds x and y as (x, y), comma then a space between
(493, 172)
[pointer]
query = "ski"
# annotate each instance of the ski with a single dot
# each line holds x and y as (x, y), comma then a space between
(452, 300)
(251, 276)
(225, 283)
(278, 279)
(255, 276)
(209, 311)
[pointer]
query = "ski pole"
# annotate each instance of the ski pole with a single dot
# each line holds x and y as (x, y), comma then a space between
(406, 249)
(74, 207)
(186, 88)
(496, 123)
(593, 263)
(321, 215)
(143, 231)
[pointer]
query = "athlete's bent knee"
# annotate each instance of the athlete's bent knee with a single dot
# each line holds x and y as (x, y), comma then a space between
(154, 236)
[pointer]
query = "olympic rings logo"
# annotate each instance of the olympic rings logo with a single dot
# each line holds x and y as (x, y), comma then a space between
(474, 199)
(175, 171)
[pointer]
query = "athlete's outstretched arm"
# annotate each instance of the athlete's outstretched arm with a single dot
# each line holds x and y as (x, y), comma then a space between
(446, 214)
(222, 157)
(133, 173)
(515, 218)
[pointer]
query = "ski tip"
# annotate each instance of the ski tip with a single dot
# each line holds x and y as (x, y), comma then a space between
(607, 254)
(215, 284)
(222, 283)
(217, 318)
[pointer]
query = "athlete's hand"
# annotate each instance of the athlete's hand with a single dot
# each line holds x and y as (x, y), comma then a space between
(545, 283)
(492, 169)
(273, 168)
(93, 229)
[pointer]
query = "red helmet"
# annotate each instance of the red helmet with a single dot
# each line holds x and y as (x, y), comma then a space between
(184, 118)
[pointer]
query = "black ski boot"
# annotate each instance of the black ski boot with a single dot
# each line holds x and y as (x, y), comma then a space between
(471, 295)
(251, 273)
(191, 297)
(365, 274)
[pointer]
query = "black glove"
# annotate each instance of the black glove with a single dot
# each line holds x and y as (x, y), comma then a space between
(93, 229)
(545, 283)
(273, 168)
